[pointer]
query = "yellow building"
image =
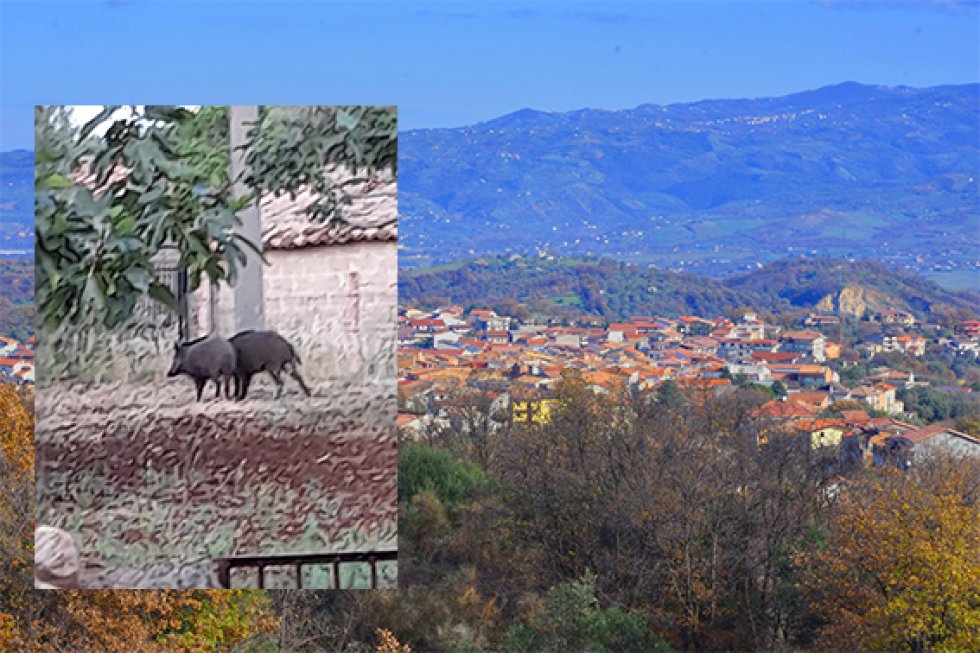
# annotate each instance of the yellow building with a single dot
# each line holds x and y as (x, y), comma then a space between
(822, 432)
(537, 411)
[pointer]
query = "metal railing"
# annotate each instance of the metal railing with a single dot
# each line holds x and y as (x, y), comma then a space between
(168, 272)
(225, 565)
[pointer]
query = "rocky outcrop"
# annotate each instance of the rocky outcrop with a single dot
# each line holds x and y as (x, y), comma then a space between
(856, 301)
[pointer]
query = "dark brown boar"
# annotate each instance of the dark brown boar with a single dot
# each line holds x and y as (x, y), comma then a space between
(263, 351)
(208, 358)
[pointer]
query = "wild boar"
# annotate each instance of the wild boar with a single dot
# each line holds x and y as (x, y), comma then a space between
(263, 351)
(208, 358)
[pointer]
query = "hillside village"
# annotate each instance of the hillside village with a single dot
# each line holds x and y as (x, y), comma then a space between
(860, 419)
(17, 360)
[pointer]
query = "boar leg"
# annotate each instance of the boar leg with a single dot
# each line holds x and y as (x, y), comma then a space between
(200, 386)
(245, 380)
(295, 374)
(280, 386)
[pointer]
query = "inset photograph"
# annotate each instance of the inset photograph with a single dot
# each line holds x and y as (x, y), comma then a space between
(216, 290)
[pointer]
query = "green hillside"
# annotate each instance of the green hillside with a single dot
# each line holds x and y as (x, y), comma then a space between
(615, 290)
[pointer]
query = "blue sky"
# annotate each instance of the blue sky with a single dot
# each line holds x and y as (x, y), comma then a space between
(448, 64)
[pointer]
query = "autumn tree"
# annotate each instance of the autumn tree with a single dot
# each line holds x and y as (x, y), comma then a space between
(900, 568)
(119, 621)
(475, 422)
(676, 506)
(16, 507)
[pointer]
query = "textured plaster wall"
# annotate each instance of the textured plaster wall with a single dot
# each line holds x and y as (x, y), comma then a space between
(337, 304)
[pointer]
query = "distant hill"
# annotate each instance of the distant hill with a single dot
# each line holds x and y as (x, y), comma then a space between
(17, 203)
(715, 186)
(836, 285)
(616, 291)
(17, 297)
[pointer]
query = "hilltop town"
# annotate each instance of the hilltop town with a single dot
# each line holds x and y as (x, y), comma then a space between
(17, 360)
(841, 389)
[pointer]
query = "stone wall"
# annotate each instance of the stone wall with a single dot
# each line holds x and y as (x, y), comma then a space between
(337, 304)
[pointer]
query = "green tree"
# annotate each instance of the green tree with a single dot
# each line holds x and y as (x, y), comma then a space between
(424, 468)
(104, 206)
(669, 395)
(778, 388)
(573, 620)
(96, 238)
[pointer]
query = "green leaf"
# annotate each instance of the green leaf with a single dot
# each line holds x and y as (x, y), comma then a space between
(162, 294)
(51, 323)
(155, 193)
(54, 182)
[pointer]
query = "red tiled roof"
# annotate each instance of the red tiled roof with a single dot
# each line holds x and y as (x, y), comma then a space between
(855, 416)
(315, 234)
(372, 214)
(817, 424)
(774, 356)
(932, 431)
(404, 419)
(801, 335)
(815, 398)
(787, 408)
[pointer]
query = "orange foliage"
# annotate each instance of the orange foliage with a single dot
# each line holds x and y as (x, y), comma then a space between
(901, 569)
(121, 621)
(16, 505)
(389, 643)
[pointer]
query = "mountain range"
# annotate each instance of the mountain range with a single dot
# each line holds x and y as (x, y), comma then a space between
(17, 203)
(715, 186)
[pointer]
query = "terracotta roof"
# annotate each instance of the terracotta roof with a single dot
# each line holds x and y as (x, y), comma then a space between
(312, 234)
(404, 419)
(818, 424)
(773, 356)
(372, 214)
(787, 408)
(855, 416)
(891, 425)
(816, 398)
(801, 335)
(931, 431)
